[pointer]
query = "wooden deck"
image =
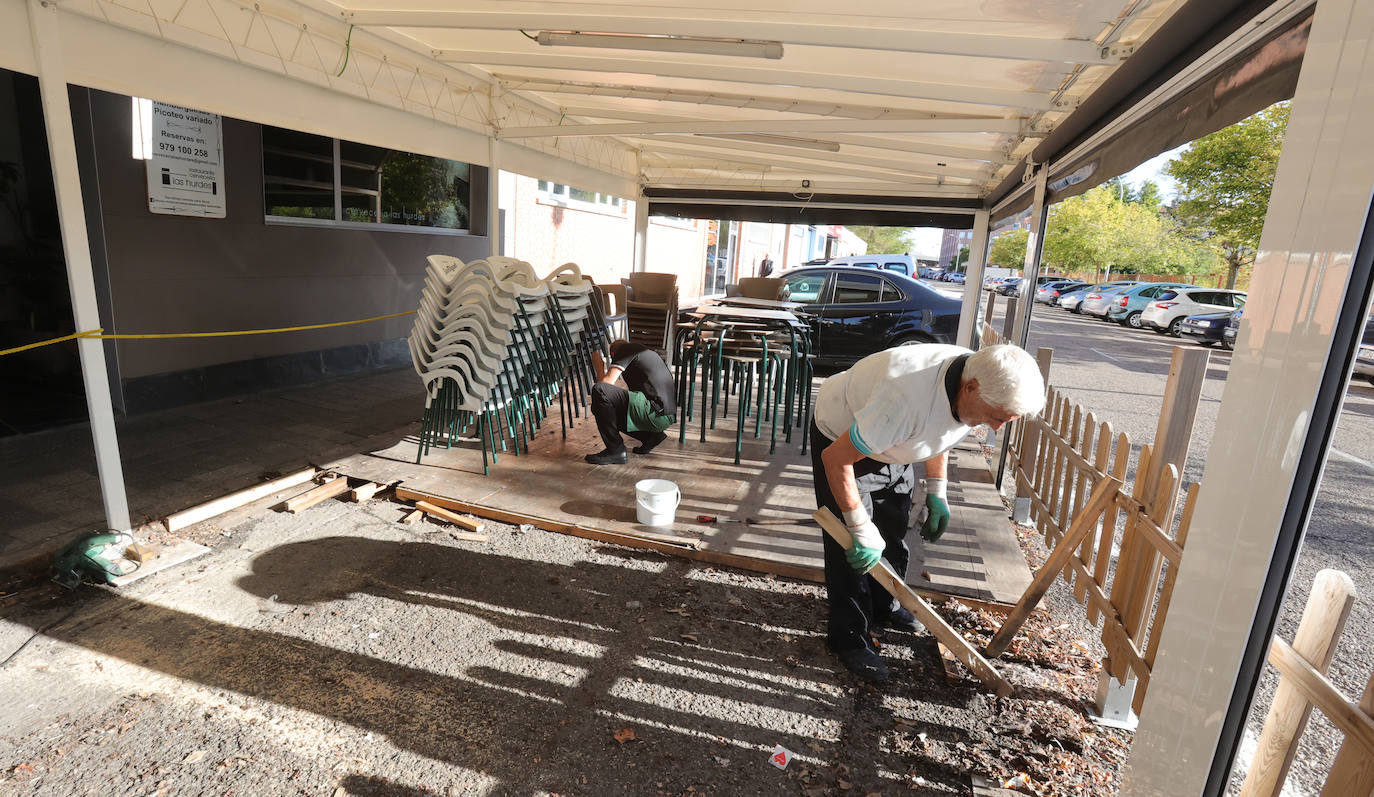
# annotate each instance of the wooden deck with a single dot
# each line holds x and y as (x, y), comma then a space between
(764, 504)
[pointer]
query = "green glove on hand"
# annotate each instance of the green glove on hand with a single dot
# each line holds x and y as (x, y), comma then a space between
(867, 548)
(937, 511)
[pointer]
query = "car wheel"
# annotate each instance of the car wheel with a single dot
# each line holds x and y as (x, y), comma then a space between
(1132, 320)
(1227, 346)
(1175, 326)
(1159, 331)
(913, 339)
(1207, 343)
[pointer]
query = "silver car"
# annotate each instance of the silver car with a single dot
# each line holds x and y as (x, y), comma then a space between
(1096, 302)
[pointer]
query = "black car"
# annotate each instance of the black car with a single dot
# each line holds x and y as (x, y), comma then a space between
(855, 312)
(1206, 329)
(1228, 335)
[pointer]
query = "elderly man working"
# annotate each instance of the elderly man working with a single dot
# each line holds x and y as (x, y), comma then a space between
(904, 405)
(644, 411)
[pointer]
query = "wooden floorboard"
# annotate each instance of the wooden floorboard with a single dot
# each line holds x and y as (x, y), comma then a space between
(978, 557)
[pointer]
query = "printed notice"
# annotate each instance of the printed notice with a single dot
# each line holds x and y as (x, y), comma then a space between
(186, 162)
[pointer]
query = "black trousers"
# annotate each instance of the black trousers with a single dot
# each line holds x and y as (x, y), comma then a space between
(858, 602)
(610, 407)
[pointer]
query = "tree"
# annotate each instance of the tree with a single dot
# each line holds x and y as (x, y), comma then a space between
(1099, 232)
(960, 259)
(1009, 250)
(1224, 183)
(884, 240)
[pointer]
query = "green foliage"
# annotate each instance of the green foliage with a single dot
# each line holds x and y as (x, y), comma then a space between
(1099, 233)
(1009, 250)
(1224, 183)
(961, 258)
(884, 240)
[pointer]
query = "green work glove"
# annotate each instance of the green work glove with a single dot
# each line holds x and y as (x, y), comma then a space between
(937, 510)
(867, 548)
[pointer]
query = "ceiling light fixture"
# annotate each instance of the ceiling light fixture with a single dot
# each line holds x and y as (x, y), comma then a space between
(769, 138)
(746, 48)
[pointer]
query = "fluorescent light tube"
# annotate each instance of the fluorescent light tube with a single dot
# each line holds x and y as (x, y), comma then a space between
(786, 141)
(746, 48)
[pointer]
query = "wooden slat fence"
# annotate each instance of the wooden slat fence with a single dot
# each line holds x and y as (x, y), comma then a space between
(1124, 567)
(1302, 669)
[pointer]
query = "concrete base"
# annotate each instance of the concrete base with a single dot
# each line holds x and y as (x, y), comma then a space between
(1113, 703)
(1021, 511)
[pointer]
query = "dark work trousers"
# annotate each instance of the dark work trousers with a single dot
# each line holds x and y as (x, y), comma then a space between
(610, 406)
(858, 602)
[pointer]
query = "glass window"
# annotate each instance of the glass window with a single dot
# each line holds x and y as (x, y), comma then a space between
(891, 293)
(1168, 295)
(804, 288)
(857, 288)
(297, 174)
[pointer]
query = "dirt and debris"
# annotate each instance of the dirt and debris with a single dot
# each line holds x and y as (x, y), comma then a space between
(341, 652)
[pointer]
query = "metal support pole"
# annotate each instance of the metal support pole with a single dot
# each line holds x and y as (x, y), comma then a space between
(973, 279)
(641, 261)
(493, 196)
(57, 117)
(1035, 246)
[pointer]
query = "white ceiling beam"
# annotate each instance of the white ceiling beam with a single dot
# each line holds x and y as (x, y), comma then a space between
(913, 208)
(803, 167)
(754, 101)
(793, 185)
(779, 126)
(715, 70)
(855, 32)
(822, 157)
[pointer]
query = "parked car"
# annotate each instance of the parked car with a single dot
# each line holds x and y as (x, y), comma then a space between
(1096, 302)
(956, 277)
(1364, 356)
(991, 283)
(902, 264)
(1228, 335)
(1051, 290)
(1126, 308)
(1010, 286)
(1206, 329)
(855, 312)
(1165, 314)
(1073, 294)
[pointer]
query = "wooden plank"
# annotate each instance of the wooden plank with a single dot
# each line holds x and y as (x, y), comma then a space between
(161, 558)
(1301, 666)
(1174, 433)
(452, 517)
(366, 492)
(187, 517)
(1353, 770)
(907, 597)
(1149, 562)
(1059, 557)
(1107, 535)
(331, 488)
(1317, 690)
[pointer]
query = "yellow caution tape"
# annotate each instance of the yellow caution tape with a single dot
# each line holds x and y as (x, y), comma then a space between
(97, 333)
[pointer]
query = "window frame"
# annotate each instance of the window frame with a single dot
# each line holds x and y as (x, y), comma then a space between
(876, 275)
(547, 194)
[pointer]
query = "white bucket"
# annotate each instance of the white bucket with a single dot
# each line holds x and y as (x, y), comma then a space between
(656, 501)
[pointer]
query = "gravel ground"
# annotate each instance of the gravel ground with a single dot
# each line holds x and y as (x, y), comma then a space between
(340, 652)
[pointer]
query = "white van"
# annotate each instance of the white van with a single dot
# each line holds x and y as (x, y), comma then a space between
(902, 264)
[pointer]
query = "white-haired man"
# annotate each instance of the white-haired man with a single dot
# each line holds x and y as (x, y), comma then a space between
(872, 422)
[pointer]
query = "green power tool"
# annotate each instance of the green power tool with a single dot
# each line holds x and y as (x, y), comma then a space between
(98, 554)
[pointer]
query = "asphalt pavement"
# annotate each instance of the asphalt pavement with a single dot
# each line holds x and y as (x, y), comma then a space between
(1120, 374)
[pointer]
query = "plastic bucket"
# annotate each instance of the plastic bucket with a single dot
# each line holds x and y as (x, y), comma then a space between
(656, 501)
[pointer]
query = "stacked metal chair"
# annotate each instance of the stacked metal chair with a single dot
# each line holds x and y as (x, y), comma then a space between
(496, 345)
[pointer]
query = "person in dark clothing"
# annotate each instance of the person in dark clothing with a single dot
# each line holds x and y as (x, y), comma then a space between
(643, 411)
(766, 266)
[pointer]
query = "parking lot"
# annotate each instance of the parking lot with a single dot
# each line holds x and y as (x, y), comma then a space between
(1120, 374)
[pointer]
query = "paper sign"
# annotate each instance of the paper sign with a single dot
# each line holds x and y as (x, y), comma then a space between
(780, 757)
(185, 162)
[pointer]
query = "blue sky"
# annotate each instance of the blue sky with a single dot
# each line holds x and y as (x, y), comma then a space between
(1152, 169)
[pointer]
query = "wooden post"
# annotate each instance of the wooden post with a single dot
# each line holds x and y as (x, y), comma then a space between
(1030, 440)
(907, 597)
(1333, 593)
(1102, 497)
(1174, 433)
(1353, 770)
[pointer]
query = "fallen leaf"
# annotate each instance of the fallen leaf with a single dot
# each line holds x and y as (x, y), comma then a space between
(925, 574)
(193, 757)
(624, 735)
(689, 637)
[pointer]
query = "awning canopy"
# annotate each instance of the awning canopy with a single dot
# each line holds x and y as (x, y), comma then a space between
(918, 111)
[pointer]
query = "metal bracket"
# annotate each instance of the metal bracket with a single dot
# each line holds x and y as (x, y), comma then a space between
(1119, 51)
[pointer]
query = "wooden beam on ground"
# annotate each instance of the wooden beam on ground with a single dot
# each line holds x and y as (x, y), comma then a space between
(330, 489)
(1102, 497)
(1353, 770)
(366, 492)
(452, 517)
(187, 517)
(907, 597)
(1301, 667)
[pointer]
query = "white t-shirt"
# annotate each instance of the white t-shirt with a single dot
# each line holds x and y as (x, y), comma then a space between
(893, 404)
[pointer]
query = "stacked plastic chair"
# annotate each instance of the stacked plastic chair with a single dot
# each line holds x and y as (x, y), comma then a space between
(496, 345)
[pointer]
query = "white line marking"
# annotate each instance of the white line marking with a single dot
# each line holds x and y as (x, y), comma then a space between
(1351, 458)
(1104, 354)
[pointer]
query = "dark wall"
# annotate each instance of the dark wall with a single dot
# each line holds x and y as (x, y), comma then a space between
(184, 274)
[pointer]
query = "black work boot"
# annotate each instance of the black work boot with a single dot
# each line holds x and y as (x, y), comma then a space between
(608, 457)
(903, 620)
(865, 664)
(649, 442)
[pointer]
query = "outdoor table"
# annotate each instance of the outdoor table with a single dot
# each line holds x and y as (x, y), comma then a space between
(751, 320)
(762, 304)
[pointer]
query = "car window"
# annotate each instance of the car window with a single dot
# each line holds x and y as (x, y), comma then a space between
(1151, 293)
(1167, 295)
(1202, 297)
(857, 288)
(865, 265)
(898, 267)
(805, 288)
(891, 293)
